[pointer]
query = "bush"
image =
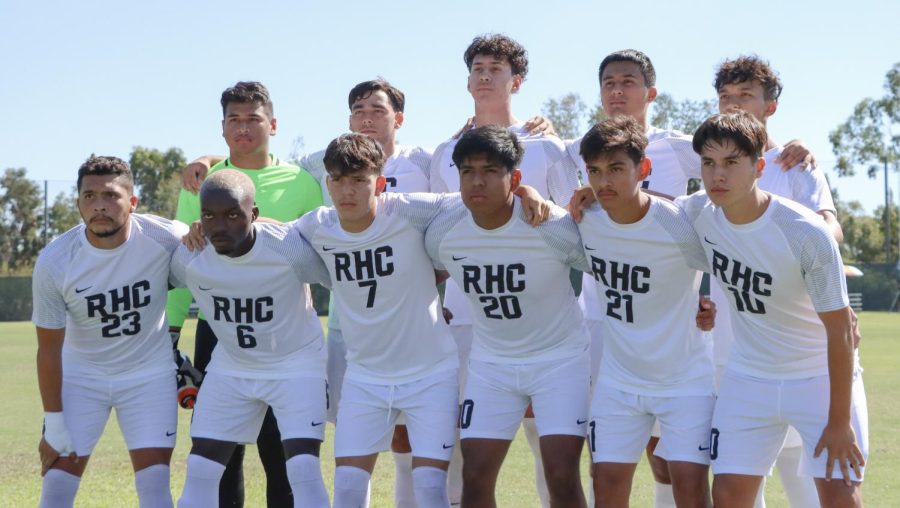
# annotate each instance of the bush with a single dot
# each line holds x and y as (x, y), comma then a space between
(15, 293)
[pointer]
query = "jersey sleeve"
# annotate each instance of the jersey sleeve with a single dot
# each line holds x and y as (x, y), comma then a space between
(562, 173)
(435, 180)
(418, 208)
(561, 234)
(167, 233)
(292, 246)
(179, 301)
(314, 165)
(810, 189)
(421, 159)
(48, 303)
(450, 215)
(692, 205)
(178, 269)
(688, 160)
(676, 223)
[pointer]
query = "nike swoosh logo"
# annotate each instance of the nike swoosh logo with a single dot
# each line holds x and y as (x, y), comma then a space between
(201, 288)
(316, 424)
(702, 449)
(447, 446)
(452, 164)
(326, 249)
(589, 248)
(82, 290)
(705, 239)
(579, 422)
(459, 258)
(170, 434)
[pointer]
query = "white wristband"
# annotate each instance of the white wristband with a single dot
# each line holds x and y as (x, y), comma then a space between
(56, 434)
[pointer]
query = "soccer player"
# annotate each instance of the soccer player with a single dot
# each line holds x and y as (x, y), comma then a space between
(251, 284)
(529, 342)
(497, 68)
(645, 258)
(793, 359)
(749, 84)
(99, 303)
(284, 192)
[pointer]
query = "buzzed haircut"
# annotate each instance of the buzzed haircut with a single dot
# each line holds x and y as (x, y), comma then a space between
(633, 56)
(353, 153)
(749, 68)
(618, 133)
(232, 181)
(497, 144)
(106, 165)
(740, 129)
(367, 88)
(499, 46)
(246, 92)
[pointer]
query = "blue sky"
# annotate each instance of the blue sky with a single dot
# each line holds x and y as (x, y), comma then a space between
(82, 77)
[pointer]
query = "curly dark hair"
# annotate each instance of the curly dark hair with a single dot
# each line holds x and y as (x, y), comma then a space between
(106, 165)
(366, 88)
(749, 68)
(247, 91)
(499, 46)
(617, 133)
(352, 153)
(741, 129)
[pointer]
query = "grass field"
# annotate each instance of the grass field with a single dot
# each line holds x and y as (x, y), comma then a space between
(108, 481)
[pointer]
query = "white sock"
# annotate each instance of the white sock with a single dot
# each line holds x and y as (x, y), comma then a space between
(454, 474)
(404, 496)
(800, 490)
(58, 489)
(534, 442)
(305, 475)
(350, 487)
(664, 496)
(431, 487)
(152, 484)
(201, 483)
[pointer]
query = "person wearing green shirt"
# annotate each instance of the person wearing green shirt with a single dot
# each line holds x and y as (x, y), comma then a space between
(283, 192)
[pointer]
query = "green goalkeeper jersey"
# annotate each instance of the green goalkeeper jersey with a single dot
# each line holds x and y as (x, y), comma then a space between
(283, 192)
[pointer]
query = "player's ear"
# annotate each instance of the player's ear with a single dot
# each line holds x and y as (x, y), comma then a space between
(254, 213)
(223, 128)
(646, 168)
(771, 106)
(517, 82)
(651, 94)
(398, 119)
(760, 165)
(273, 126)
(134, 201)
(515, 179)
(380, 182)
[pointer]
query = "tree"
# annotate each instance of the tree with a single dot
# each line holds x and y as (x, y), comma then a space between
(567, 114)
(63, 214)
(157, 178)
(685, 115)
(870, 137)
(20, 203)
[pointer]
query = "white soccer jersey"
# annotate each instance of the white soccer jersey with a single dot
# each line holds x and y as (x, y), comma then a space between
(778, 272)
(383, 284)
(807, 187)
(647, 276)
(110, 301)
(516, 281)
(674, 162)
(258, 304)
(545, 166)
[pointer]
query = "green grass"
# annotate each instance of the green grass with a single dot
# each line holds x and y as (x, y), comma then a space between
(109, 480)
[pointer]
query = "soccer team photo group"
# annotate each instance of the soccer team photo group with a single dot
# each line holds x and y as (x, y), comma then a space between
(507, 279)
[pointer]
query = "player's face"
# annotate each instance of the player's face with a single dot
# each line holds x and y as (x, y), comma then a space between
(491, 79)
(353, 195)
(616, 179)
(247, 127)
(228, 222)
(375, 117)
(623, 91)
(729, 176)
(486, 186)
(747, 96)
(105, 204)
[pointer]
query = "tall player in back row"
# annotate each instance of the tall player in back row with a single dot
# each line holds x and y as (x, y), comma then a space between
(99, 308)
(793, 361)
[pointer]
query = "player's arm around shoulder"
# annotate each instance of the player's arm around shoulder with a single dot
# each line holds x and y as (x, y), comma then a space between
(563, 236)
(562, 174)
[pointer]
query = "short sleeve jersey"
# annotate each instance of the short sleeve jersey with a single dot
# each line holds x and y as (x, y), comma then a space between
(111, 302)
(283, 192)
(258, 304)
(384, 289)
(647, 275)
(515, 279)
(777, 273)
(545, 166)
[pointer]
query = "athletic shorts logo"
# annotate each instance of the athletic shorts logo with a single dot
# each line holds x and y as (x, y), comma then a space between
(447, 446)
(316, 424)
(460, 258)
(705, 239)
(170, 434)
(580, 421)
(201, 288)
(82, 290)
(702, 449)
(589, 248)
(326, 249)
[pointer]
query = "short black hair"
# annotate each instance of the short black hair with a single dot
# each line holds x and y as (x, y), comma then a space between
(499, 46)
(106, 165)
(494, 142)
(633, 56)
(352, 153)
(617, 133)
(749, 68)
(740, 129)
(366, 88)
(246, 92)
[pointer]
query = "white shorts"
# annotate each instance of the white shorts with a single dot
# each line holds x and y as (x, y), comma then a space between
(368, 413)
(595, 329)
(231, 408)
(621, 423)
(462, 335)
(497, 395)
(146, 408)
(335, 369)
(752, 416)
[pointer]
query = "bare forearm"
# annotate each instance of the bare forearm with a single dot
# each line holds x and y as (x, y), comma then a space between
(840, 365)
(49, 373)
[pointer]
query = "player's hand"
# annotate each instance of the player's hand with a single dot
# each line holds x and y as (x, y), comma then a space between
(706, 315)
(448, 316)
(840, 441)
(539, 125)
(55, 442)
(188, 379)
(582, 199)
(470, 123)
(854, 328)
(194, 239)
(794, 153)
(193, 174)
(535, 207)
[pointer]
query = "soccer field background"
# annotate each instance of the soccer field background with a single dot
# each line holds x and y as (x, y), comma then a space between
(108, 481)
